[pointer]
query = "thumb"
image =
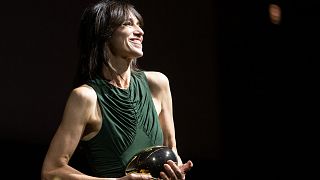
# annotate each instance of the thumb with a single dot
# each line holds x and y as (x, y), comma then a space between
(187, 166)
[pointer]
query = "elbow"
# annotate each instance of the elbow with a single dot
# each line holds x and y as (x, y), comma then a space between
(44, 174)
(49, 175)
(45, 170)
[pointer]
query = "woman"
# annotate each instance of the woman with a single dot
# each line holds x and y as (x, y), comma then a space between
(115, 110)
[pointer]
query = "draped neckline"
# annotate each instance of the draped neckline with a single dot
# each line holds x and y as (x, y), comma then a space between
(107, 83)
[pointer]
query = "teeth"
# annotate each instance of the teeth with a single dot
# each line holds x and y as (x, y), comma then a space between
(136, 41)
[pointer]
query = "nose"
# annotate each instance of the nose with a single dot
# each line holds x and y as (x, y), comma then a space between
(138, 31)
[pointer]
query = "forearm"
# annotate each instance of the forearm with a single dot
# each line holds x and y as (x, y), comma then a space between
(169, 139)
(68, 173)
(178, 157)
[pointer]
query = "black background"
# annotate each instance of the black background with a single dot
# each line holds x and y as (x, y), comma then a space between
(244, 89)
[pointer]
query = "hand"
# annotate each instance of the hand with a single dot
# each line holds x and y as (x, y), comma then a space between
(137, 176)
(175, 172)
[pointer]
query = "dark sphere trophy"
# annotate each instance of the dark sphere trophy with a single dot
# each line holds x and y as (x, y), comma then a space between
(151, 161)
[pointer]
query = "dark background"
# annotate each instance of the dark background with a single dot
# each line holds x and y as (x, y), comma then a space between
(244, 89)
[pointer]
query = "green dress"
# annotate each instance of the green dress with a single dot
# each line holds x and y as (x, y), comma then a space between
(129, 124)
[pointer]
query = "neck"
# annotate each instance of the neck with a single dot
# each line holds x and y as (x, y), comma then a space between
(118, 77)
(118, 70)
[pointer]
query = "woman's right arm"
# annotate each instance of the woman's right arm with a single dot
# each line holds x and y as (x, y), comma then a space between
(80, 110)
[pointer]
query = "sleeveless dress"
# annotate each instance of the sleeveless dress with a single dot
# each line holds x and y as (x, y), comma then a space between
(129, 124)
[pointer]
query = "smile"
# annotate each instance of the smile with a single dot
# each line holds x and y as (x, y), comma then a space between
(136, 44)
(136, 41)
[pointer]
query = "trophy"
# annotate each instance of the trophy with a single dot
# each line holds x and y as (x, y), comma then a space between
(151, 160)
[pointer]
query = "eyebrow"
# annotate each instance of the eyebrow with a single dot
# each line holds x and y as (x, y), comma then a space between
(132, 20)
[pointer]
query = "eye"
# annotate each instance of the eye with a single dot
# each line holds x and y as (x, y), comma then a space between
(127, 23)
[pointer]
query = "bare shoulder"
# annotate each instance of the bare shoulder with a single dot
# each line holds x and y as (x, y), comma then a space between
(157, 80)
(81, 105)
(83, 95)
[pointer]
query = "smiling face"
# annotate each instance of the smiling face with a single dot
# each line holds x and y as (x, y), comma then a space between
(126, 40)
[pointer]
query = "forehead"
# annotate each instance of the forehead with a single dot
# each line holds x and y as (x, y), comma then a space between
(132, 16)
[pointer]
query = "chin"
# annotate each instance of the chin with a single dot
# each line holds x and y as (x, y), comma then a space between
(134, 53)
(134, 56)
(138, 54)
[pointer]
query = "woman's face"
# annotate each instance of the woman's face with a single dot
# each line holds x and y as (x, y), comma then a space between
(126, 40)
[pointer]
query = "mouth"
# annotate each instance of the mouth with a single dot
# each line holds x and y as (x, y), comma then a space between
(136, 41)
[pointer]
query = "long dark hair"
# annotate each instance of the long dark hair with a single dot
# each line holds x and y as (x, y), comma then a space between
(98, 22)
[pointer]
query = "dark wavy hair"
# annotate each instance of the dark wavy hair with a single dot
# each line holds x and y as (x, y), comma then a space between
(98, 22)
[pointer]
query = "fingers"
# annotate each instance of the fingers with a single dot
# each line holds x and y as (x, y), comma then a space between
(176, 170)
(172, 172)
(139, 176)
(164, 176)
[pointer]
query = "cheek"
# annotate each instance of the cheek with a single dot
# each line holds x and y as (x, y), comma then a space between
(120, 34)
(118, 39)
(118, 45)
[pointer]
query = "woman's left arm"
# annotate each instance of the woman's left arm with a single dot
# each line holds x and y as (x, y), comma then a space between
(160, 89)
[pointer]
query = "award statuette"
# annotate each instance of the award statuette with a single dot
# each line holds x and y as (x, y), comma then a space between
(151, 160)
